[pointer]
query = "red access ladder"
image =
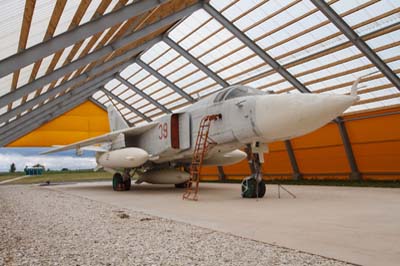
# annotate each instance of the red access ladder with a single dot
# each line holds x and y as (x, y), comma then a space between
(200, 149)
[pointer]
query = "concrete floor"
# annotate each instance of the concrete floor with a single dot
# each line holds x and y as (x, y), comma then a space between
(358, 225)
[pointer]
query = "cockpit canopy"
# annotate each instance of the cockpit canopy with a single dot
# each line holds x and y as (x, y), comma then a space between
(235, 92)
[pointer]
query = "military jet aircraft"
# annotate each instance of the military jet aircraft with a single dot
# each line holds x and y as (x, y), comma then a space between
(248, 118)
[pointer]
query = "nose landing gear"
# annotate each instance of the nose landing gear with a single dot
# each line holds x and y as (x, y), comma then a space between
(250, 189)
(253, 186)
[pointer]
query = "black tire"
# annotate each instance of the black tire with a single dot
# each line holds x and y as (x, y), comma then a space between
(249, 188)
(182, 185)
(117, 181)
(128, 183)
(261, 189)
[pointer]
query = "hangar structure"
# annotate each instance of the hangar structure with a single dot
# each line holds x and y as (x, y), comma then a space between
(67, 59)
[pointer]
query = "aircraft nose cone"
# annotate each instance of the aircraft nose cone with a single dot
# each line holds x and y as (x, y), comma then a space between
(280, 117)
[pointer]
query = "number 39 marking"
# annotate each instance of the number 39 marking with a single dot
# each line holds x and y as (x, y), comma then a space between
(163, 131)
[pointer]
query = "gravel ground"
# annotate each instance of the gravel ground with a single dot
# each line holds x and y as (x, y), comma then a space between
(39, 226)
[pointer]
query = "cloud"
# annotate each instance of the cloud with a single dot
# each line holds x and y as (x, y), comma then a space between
(50, 162)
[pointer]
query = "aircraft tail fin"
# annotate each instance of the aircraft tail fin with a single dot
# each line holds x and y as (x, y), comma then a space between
(355, 87)
(115, 119)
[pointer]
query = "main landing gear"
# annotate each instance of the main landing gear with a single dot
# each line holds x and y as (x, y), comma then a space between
(122, 182)
(253, 186)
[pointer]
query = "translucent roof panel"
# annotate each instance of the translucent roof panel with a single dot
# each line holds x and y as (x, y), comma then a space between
(5, 84)
(152, 112)
(130, 71)
(175, 104)
(140, 104)
(157, 50)
(3, 110)
(127, 93)
(374, 10)
(147, 107)
(119, 90)
(155, 88)
(130, 116)
(194, 21)
(40, 21)
(298, 36)
(11, 16)
(142, 80)
(133, 99)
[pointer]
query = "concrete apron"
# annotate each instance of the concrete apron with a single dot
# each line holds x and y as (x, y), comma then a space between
(358, 225)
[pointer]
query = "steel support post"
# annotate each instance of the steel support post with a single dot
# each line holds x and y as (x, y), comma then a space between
(221, 173)
(355, 173)
(339, 22)
(293, 162)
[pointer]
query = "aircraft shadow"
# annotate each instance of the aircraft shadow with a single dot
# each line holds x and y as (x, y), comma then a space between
(143, 188)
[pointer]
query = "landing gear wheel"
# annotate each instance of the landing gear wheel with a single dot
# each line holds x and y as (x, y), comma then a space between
(249, 188)
(127, 183)
(182, 185)
(118, 183)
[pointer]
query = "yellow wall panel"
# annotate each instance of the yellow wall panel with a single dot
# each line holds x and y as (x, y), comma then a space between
(277, 146)
(48, 138)
(322, 160)
(209, 173)
(63, 123)
(209, 170)
(277, 163)
(88, 109)
(378, 157)
(374, 129)
(237, 171)
(325, 136)
(84, 121)
(92, 134)
(98, 123)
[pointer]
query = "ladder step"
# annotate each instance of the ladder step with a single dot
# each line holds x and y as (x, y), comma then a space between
(200, 149)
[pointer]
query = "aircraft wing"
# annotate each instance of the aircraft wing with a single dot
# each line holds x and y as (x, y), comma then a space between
(109, 137)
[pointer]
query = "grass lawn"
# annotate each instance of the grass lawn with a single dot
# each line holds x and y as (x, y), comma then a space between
(5, 176)
(57, 177)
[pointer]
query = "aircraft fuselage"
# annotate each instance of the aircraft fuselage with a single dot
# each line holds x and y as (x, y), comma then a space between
(248, 116)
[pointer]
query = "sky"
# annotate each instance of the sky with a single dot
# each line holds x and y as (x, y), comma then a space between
(30, 156)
